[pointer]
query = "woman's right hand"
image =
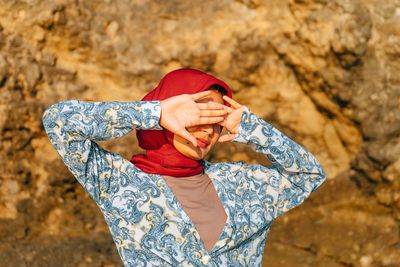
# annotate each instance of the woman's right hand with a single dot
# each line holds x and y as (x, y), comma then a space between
(181, 111)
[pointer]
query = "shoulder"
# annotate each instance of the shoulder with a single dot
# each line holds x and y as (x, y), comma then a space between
(229, 166)
(230, 174)
(240, 170)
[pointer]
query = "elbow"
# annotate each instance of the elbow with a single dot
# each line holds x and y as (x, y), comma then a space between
(51, 115)
(48, 118)
(55, 109)
(319, 180)
(322, 172)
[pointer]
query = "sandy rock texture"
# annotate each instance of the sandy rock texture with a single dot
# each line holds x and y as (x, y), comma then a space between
(325, 72)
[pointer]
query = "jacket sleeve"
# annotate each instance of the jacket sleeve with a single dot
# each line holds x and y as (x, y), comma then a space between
(295, 173)
(74, 126)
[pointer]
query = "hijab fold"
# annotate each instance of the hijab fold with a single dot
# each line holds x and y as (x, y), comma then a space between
(161, 157)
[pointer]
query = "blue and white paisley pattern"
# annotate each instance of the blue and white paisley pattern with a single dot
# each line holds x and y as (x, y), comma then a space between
(147, 223)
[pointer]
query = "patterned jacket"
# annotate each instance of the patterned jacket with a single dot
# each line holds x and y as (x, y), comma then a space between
(147, 223)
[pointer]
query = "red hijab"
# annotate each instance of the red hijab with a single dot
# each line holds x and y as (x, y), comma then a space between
(161, 156)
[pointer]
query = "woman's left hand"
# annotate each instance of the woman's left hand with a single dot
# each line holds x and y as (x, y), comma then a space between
(231, 120)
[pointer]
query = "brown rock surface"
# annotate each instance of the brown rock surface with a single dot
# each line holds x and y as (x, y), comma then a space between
(326, 73)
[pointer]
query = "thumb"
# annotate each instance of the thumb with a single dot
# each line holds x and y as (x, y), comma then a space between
(226, 138)
(185, 134)
(222, 123)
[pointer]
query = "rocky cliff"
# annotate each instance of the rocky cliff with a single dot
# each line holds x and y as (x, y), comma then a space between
(325, 72)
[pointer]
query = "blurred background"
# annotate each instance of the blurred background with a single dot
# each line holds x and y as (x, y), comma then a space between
(324, 72)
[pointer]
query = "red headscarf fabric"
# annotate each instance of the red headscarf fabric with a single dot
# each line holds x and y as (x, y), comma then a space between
(161, 156)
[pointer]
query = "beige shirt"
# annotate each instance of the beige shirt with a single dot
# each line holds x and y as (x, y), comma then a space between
(200, 201)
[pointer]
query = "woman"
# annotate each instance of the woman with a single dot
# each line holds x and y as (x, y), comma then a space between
(170, 207)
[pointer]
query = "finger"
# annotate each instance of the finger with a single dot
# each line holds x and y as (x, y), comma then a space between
(229, 109)
(231, 101)
(209, 120)
(210, 105)
(185, 134)
(226, 138)
(220, 112)
(222, 123)
(200, 94)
